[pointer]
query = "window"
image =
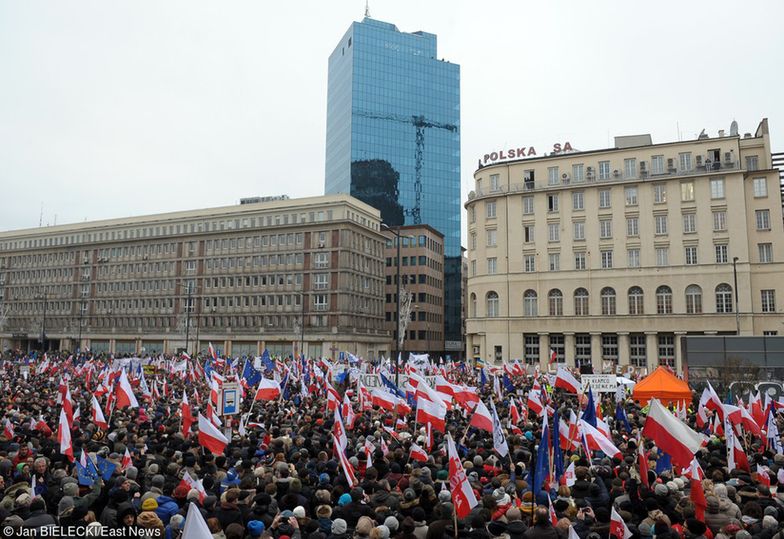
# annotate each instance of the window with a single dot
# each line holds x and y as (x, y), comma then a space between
(659, 193)
(657, 164)
(472, 241)
(604, 170)
(721, 253)
(472, 214)
(531, 352)
(763, 219)
(608, 301)
(321, 281)
(719, 221)
(690, 254)
(629, 168)
(581, 302)
(760, 187)
(473, 267)
(689, 223)
(664, 300)
(752, 162)
(607, 258)
(582, 349)
(530, 303)
(490, 209)
(765, 252)
(491, 238)
(577, 173)
(555, 302)
(320, 302)
(604, 198)
(662, 256)
(693, 299)
(684, 160)
(610, 347)
(660, 224)
(578, 200)
(637, 350)
(636, 300)
(631, 196)
(495, 182)
(528, 233)
(492, 305)
(717, 188)
(687, 191)
(632, 226)
(557, 346)
(667, 350)
(528, 205)
(529, 263)
(633, 257)
(553, 232)
(552, 203)
(579, 230)
(770, 332)
(605, 228)
(491, 265)
(579, 260)
(724, 298)
(768, 301)
(472, 306)
(321, 260)
(555, 261)
(552, 176)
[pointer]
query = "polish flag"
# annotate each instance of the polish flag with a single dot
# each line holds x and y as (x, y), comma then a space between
(553, 356)
(8, 429)
(268, 390)
(392, 433)
(463, 497)
(642, 463)
(466, 397)
(482, 418)
(740, 416)
(186, 415)
(68, 406)
(736, 456)
(566, 381)
(714, 402)
(126, 460)
(702, 417)
(514, 414)
(211, 352)
(97, 415)
(569, 478)
(597, 441)
(339, 433)
(333, 398)
(553, 516)
(563, 435)
(369, 448)
(671, 435)
(696, 491)
(348, 412)
(535, 399)
(763, 476)
(618, 528)
(384, 447)
(417, 453)
(191, 483)
(64, 437)
(383, 399)
(434, 413)
(124, 392)
(210, 437)
(348, 470)
(518, 369)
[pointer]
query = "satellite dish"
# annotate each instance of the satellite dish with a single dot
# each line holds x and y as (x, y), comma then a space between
(734, 129)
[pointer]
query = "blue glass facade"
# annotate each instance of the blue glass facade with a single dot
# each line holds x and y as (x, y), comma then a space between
(393, 115)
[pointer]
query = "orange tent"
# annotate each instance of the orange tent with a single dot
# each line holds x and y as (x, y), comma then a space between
(663, 385)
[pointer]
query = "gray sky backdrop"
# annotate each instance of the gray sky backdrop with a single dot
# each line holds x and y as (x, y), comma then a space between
(112, 108)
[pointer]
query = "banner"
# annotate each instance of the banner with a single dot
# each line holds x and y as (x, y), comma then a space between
(600, 383)
(373, 381)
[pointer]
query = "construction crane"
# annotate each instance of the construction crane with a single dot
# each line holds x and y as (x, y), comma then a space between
(420, 123)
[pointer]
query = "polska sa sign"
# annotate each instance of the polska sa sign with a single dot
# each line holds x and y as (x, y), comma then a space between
(522, 152)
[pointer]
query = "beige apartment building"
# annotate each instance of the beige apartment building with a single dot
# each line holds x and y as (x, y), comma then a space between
(241, 277)
(422, 275)
(608, 257)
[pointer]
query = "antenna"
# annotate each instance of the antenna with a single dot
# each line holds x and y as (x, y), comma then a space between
(41, 216)
(367, 10)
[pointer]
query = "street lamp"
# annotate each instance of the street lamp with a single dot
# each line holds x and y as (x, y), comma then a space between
(398, 338)
(737, 313)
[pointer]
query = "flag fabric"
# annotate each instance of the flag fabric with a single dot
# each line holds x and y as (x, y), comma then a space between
(105, 467)
(64, 436)
(124, 392)
(433, 413)
(339, 432)
(621, 417)
(348, 469)
(499, 440)
(192, 483)
(210, 437)
(558, 461)
(250, 376)
(195, 527)
(97, 415)
(642, 463)
(553, 356)
(597, 441)
(671, 435)
(482, 418)
(186, 415)
(542, 471)
(736, 456)
(566, 381)
(463, 497)
(268, 390)
(696, 491)
(383, 399)
(569, 478)
(8, 429)
(126, 460)
(589, 415)
(86, 472)
(763, 476)
(417, 453)
(618, 528)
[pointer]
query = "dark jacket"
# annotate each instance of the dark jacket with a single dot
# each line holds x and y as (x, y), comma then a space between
(39, 519)
(228, 513)
(541, 531)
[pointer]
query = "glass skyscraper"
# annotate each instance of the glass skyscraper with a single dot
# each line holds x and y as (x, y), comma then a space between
(393, 138)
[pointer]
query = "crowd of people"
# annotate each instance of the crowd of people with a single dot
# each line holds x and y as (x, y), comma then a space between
(280, 477)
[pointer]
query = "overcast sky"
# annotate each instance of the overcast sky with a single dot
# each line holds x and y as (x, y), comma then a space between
(112, 108)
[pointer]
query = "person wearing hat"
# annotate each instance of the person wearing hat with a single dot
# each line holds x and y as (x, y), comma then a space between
(148, 519)
(38, 518)
(339, 529)
(324, 518)
(355, 508)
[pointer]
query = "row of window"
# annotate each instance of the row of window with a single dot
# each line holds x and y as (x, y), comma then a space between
(638, 350)
(415, 241)
(420, 260)
(635, 301)
(420, 278)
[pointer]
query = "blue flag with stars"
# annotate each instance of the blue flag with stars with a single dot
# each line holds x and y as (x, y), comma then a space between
(86, 475)
(105, 468)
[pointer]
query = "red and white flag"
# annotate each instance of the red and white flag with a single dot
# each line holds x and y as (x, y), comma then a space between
(186, 415)
(348, 412)
(339, 432)
(369, 448)
(210, 437)
(618, 528)
(514, 413)
(597, 441)
(763, 476)
(8, 429)
(642, 462)
(535, 399)
(553, 516)
(553, 357)
(64, 437)
(192, 483)
(333, 398)
(463, 496)
(566, 381)
(348, 469)
(736, 456)
(671, 435)
(268, 390)
(126, 460)
(569, 477)
(433, 413)
(383, 399)
(124, 392)
(482, 419)
(696, 491)
(417, 453)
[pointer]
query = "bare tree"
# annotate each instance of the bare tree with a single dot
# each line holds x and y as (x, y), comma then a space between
(404, 316)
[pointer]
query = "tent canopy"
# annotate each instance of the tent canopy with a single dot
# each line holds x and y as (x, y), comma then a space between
(663, 385)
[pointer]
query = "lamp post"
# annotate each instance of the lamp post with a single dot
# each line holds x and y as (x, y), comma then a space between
(737, 313)
(189, 286)
(43, 320)
(398, 339)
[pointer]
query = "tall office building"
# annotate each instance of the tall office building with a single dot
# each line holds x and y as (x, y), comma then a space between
(393, 138)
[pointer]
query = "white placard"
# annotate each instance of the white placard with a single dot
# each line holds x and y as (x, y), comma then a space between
(600, 383)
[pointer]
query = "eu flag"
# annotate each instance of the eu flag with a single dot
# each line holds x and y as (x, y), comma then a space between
(86, 475)
(266, 360)
(251, 376)
(105, 468)
(558, 462)
(390, 385)
(589, 415)
(542, 469)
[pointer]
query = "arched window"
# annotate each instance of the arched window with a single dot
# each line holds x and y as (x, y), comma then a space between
(472, 314)
(555, 302)
(724, 298)
(608, 301)
(693, 299)
(530, 307)
(492, 305)
(636, 300)
(664, 300)
(581, 302)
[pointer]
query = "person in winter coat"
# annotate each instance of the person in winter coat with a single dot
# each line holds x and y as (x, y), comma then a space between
(715, 518)
(38, 518)
(229, 512)
(542, 528)
(167, 506)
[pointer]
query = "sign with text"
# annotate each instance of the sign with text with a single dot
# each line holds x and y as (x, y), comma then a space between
(373, 381)
(229, 399)
(600, 383)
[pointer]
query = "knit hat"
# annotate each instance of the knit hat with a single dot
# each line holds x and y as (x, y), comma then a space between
(176, 521)
(299, 511)
(71, 489)
(661, 490)
(364, 526)
(344, 500)
(149, 505)
(65, 507)
(339, 525)
(769, 521)
(158, 481)
(392, 523)
(323, 511)
(444, 496)
(255, 528)
(383, 531)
